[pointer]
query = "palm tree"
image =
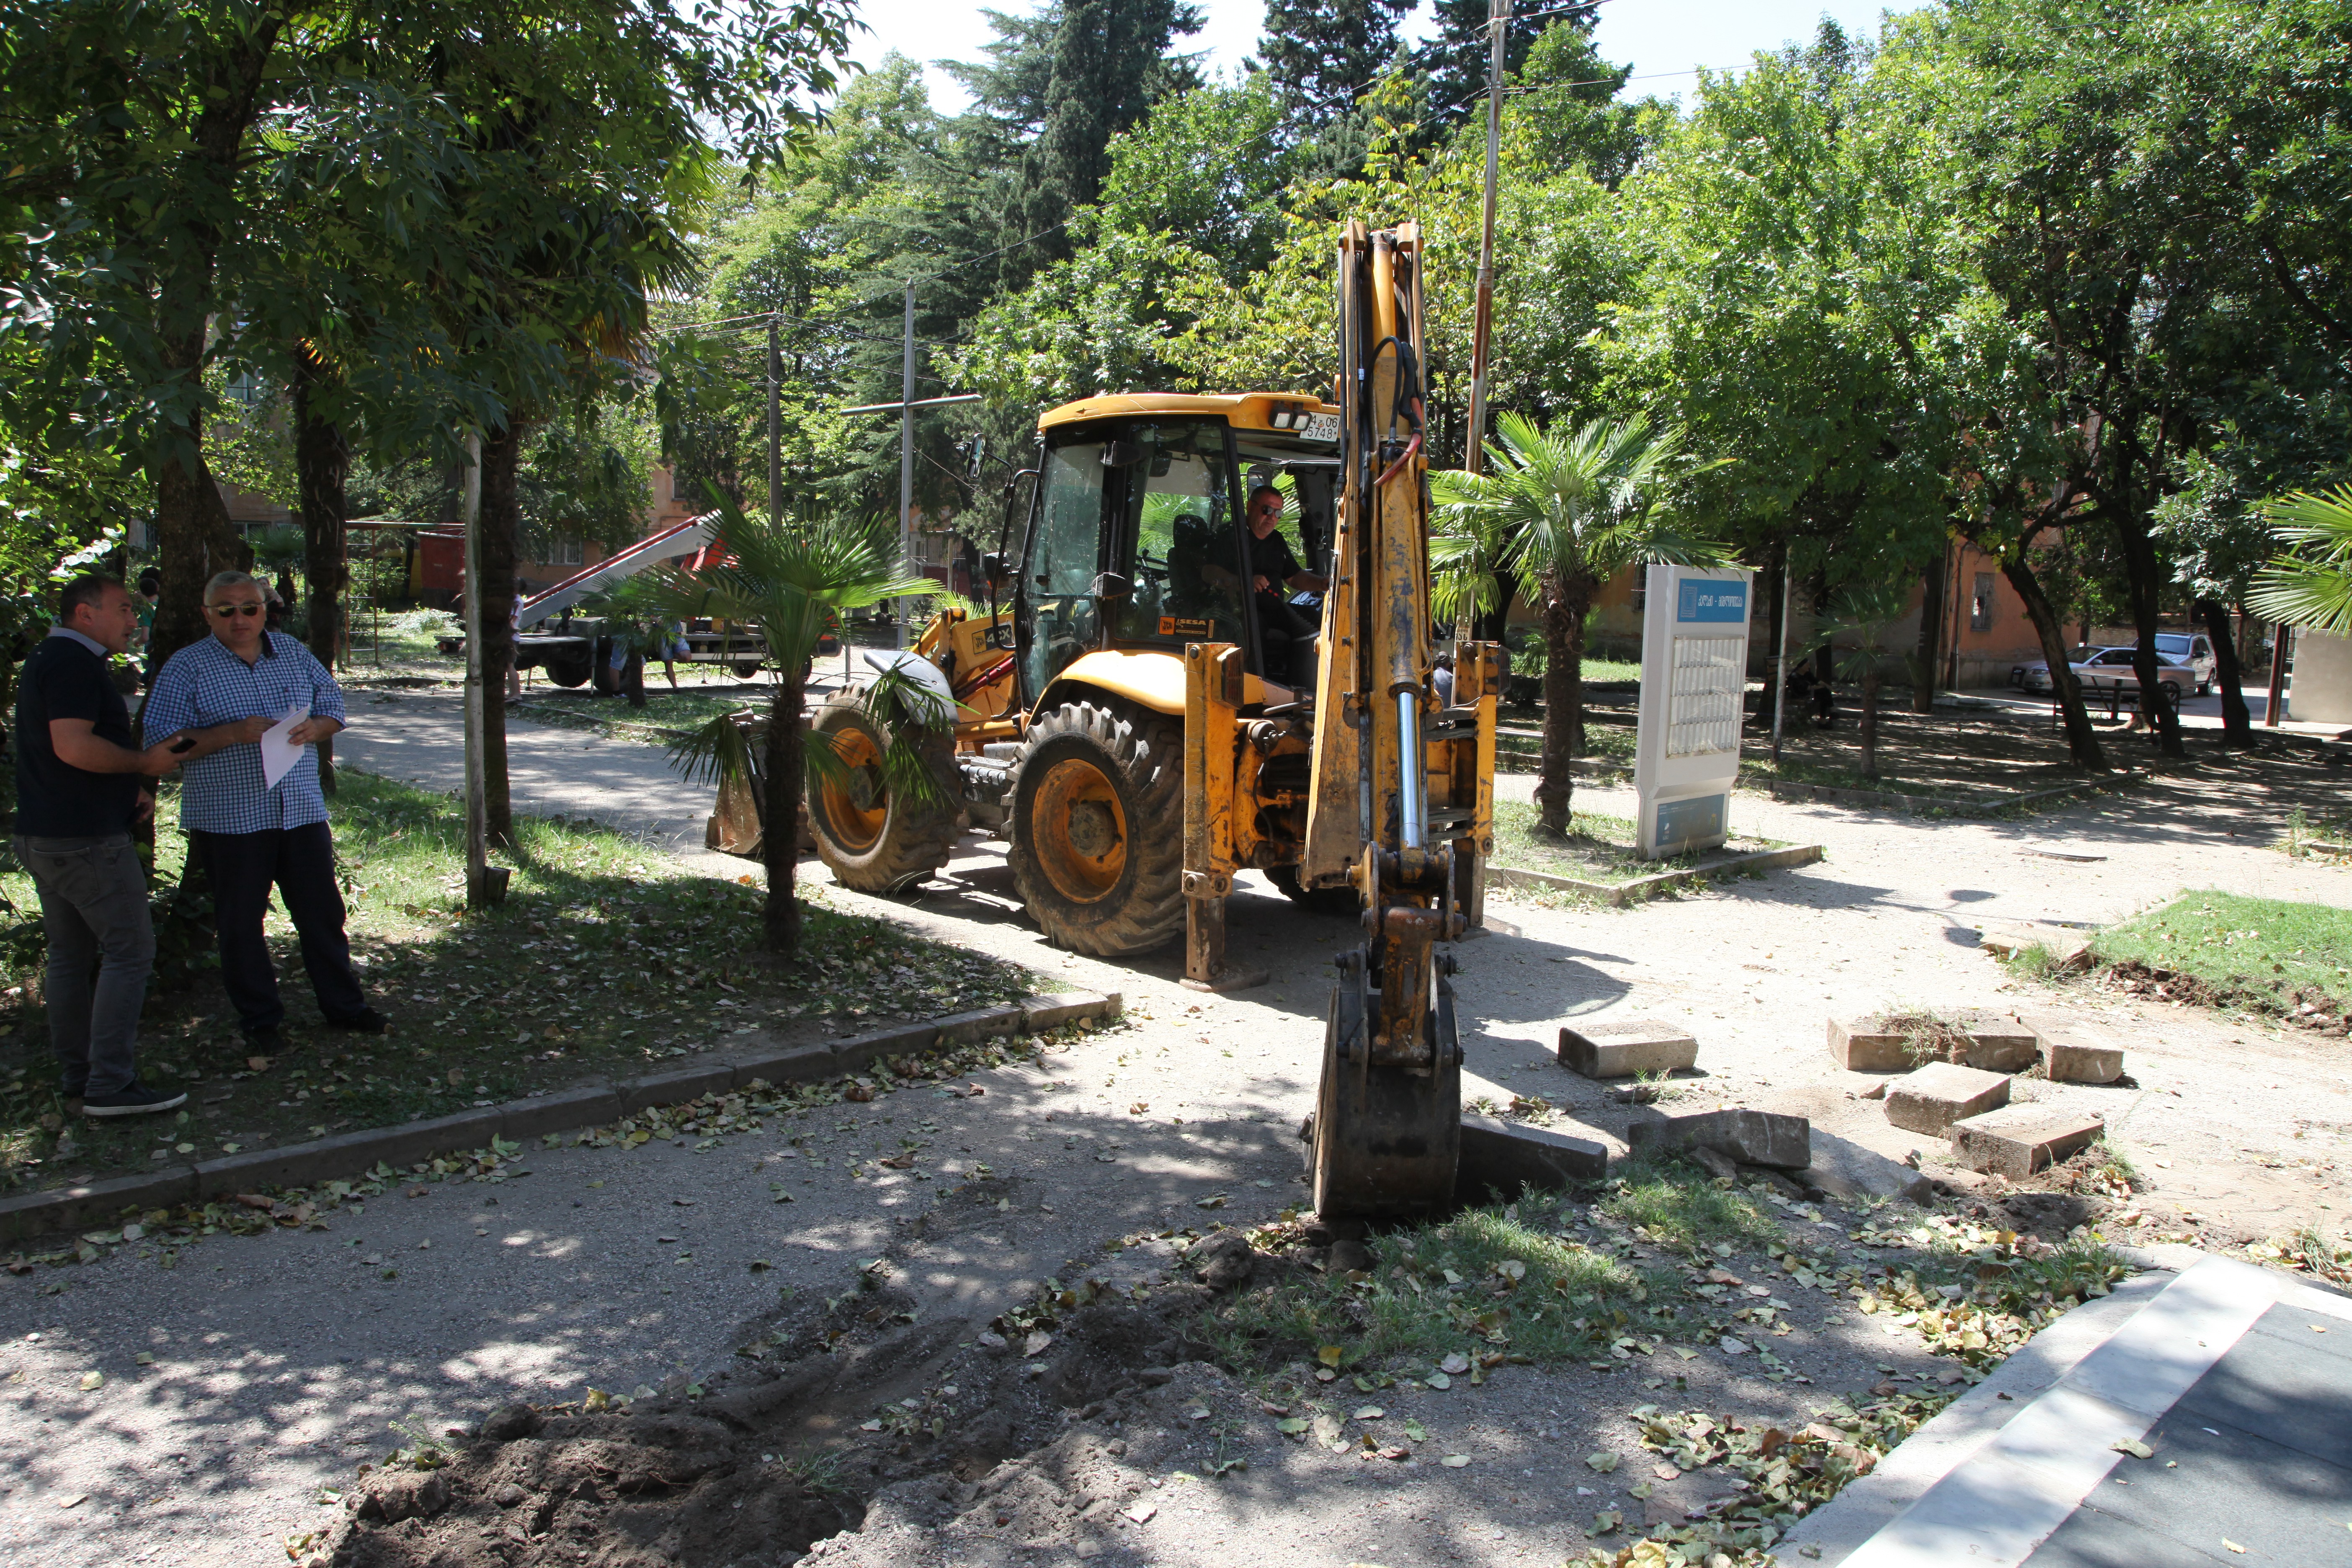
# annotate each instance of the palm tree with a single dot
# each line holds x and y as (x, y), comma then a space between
(1562, 512)
(795, 580)
(2315, 588)
(1863, 614)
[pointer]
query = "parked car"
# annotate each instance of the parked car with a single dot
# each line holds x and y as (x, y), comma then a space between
(2192, 650)
(2102, 667)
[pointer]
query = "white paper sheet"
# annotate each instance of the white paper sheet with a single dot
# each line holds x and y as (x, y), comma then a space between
(279, 750)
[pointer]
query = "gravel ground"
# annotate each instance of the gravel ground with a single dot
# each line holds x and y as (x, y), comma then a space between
(278, 1359)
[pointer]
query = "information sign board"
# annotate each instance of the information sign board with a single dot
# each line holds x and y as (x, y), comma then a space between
(1694, 673)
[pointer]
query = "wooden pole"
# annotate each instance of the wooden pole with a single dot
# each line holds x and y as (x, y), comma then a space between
(479, 890)
(2277, 699)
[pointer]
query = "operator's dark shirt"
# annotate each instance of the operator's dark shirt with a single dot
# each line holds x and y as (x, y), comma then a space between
(1270, 558)
(64, 679)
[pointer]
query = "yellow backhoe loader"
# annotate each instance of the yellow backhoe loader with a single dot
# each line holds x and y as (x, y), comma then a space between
(1148, 715)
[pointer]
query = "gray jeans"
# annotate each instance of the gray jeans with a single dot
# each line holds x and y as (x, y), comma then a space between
(101, 951)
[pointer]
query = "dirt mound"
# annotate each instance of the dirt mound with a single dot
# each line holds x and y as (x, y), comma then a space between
(876, 1423)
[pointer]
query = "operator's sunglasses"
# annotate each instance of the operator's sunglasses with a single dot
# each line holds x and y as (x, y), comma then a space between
(226, 611)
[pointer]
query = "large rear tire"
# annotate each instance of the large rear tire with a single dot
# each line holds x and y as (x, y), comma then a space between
(869, 838)
(1098, 827)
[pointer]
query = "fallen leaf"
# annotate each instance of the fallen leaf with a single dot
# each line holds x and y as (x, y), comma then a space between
(1216, 1201)
(1330, 1355)
(2232, 1546)
(1734, 1347)
(1368, 1412)
(2134, 1446)
(261, 1064)
(1607, 1523)
(1139, 1108)
(1414, 1430)
(70, 1501)
(1292, 1425)
(1665, 1472)
(1604, 1463)
(1511, 1269)
(1396, 1451)
(1035, 1346)
(1454, 1461)
(1456, 1364)
(1438, 1380)
(1143, 1512)
(145, 1358)
(255, 1201)
(93, 1380)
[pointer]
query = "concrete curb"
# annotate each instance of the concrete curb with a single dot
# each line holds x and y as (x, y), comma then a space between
(1620, 894)
(1915, 803)
(74, 1208)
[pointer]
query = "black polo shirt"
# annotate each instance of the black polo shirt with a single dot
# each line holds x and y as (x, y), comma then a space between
(64, 679)
(1270, 558)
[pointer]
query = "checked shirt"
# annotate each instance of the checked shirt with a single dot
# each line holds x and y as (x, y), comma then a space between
(203, 684)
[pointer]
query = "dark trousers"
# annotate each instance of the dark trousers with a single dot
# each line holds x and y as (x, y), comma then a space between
(1287, 637)
(301, 862)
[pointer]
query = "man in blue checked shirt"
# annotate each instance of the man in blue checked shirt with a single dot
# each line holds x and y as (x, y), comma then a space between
(227, 691)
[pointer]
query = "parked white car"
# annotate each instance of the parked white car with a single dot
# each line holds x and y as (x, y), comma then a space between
(2102, 667)
(2191, 651)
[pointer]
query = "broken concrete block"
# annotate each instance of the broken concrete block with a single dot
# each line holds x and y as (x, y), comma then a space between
(2064, 946)
(1844, 1169)
(2019, 1140)
(1750, 1137)
(2071, 1055)
(1625, 1048)
(1509, 1155)
(1931, 1099)
(1714, 1164)
(1998, 1043)
(1869, 1045)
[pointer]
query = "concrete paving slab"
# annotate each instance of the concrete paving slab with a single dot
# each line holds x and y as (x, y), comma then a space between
(1622, 1049)
(1750, 1137)
(2019, 1140)
(1932, 1098)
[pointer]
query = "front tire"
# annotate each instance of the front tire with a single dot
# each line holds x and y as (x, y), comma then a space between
(1098, 827)
(870, 838)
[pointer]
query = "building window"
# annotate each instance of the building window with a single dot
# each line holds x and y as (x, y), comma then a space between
(1980, 604)
(564, 552)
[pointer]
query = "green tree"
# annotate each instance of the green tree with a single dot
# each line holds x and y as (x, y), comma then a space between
(794, 582)
(1863, 614)
(1563, 512)
(1322, 55)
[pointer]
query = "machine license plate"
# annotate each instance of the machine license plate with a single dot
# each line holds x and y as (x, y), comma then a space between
(1321, 427)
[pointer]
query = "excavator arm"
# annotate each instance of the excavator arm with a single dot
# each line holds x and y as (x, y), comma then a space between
(1401, 791)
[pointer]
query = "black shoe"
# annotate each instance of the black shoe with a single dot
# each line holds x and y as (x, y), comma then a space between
(368, 1022)
(133, 1098)
(265, 1042)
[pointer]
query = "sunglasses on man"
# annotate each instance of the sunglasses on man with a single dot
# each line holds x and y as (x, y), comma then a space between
(226, 611)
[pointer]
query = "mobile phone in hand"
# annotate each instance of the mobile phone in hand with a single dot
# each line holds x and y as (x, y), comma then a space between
(183, 744)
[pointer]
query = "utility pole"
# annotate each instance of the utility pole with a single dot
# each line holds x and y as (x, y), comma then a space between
(1781, 658)
(907, 458)
(776, 428)
(1499, 23)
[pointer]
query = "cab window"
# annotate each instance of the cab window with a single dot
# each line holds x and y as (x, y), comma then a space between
(1064, 558)
(1178, 518)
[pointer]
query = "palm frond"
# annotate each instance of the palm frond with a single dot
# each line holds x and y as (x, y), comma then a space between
(2312, 587)
(715, 751)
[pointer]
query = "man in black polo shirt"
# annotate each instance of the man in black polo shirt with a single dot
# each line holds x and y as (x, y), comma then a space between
(79, 786)
(1287, 636)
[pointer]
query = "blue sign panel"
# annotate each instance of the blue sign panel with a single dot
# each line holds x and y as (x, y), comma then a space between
(1682, 822)
(1704, 601)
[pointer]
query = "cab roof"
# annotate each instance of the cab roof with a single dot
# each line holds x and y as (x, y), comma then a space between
(1244, 411)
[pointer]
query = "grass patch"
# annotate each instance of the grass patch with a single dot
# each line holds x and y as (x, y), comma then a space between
(1597, 849)
(2265, 954)
(2329, 839)
(605, 959)
(1675, 1206)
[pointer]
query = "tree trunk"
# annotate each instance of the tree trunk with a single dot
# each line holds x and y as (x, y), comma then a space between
(501, 456)
(1563, 622)
(1931, 633)
(632, 680)
(1869, 715)
(2237, 720)
(2146, 590)
(779, 835)
(2082, 741)
(322, 461)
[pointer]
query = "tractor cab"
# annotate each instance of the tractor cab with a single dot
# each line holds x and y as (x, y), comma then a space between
(1137, 542)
